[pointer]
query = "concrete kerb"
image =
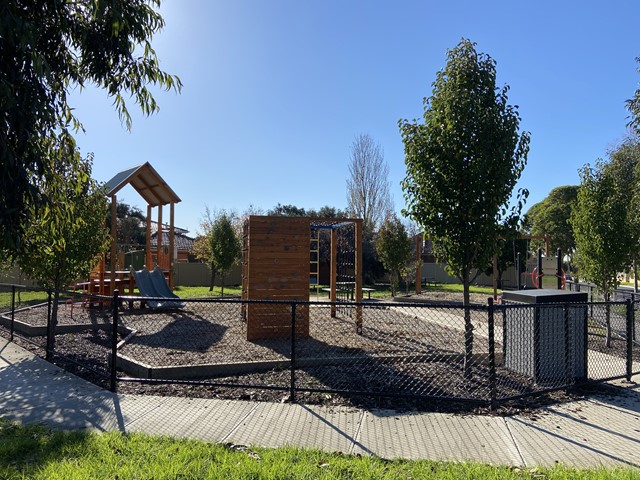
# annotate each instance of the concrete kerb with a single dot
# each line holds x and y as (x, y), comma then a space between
(41, 330)
(140, 369)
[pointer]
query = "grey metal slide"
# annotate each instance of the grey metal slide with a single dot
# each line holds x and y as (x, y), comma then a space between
(146, 286)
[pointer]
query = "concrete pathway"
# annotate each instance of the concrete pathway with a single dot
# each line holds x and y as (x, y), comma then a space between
(599, 430)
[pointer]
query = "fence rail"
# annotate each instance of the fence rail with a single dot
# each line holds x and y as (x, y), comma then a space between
(480, 354)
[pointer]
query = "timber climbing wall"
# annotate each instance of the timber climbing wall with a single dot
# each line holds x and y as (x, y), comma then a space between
(275, 266)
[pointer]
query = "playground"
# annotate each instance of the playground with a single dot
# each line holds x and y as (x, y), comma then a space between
(274, 338)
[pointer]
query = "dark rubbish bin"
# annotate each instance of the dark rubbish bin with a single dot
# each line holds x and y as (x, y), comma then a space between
(546, 338)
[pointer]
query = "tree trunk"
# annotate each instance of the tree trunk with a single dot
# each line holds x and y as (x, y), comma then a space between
(468, 328)
(222, 285)
(392, 283)
(213, 278)
(53, 321)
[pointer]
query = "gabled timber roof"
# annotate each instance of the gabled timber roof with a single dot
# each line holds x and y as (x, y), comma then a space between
(147, 182)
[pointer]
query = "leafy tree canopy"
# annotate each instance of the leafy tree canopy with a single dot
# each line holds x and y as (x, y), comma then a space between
(65, 239)
(292, 211)
(224, 244)
(604, 236)
(633, 105)
(551, 217)
(464, 161)
(462, 166)
(394, 248)
(47, 49)
(287, 211)
(131, 226)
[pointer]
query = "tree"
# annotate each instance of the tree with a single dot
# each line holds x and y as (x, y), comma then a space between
(394, 248)
(509, 246)
(551, 217)
(287, 211)
(633, 105)
(131, 226)
(225, 246)
(604, 237)
(368, 194)
(368, 197)
(47, 49)
(65, 239)
(624, 165)
(220, 244)
(462, 166)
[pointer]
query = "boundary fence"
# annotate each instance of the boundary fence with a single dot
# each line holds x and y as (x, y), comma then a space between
(482, 354)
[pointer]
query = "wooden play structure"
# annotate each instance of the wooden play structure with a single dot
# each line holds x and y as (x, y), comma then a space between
(280, 263)
(156, 193)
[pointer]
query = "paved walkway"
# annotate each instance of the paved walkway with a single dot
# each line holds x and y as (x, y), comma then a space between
(599, 430)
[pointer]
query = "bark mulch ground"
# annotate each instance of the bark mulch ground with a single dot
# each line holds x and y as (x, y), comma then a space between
(216, 333)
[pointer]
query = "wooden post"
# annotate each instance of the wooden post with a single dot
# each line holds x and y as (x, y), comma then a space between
(358, 274)
(148, 259)
(418, 264)
(333, 281)
(114, 235)
(547, 246)
(159, 236)
(171, 244)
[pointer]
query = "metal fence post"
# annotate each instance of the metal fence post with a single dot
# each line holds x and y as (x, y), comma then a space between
(567, 348)
(114, 343)
(492, 355)
(13, 310)
(630, 322)
(559, 269)
(49, 346)
(292, 394)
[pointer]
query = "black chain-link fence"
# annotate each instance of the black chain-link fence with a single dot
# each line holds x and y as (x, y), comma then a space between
(479, 354)
(72, 329)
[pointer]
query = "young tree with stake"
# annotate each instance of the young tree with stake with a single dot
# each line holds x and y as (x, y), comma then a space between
(462, 165)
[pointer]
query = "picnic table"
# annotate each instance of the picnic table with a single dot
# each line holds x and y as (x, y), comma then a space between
(350, 291)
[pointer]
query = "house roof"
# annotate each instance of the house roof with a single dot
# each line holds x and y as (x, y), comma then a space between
(165, 228)
(147, 182)
(180, 240)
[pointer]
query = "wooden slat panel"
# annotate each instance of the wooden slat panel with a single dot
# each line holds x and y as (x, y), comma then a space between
(282, 248)
(299, 229)
(283, 257)
(277, 269)
(265, 239)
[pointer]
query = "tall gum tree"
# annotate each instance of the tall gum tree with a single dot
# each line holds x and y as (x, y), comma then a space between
(462, 165)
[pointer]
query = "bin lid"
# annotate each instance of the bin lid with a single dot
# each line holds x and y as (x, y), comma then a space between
(544, 295)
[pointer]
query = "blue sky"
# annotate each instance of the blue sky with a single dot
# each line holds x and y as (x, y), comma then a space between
(276, 90)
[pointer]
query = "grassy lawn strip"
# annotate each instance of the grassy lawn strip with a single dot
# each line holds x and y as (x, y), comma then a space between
(23, 298)
(381, 291)
(40, 453)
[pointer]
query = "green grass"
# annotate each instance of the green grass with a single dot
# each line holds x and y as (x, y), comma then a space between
(457, 287)
(23, 298)
(39, 453)
(203, 292)
(381, 291)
